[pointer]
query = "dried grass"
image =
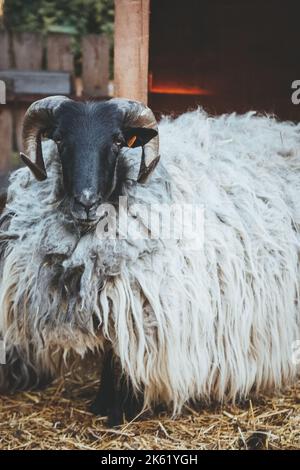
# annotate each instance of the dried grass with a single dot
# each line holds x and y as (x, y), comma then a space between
(57, 418)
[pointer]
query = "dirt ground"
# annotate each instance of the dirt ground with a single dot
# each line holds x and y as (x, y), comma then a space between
(58, 418)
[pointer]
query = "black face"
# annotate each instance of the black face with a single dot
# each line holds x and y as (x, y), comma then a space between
(89, 139)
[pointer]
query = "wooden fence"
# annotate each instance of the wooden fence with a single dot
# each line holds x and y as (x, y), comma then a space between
(32, 67)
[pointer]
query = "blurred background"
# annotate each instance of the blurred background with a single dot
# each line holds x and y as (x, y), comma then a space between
(225, 55)
(50, 47)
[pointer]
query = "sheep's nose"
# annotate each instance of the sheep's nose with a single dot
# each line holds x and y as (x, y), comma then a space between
(85, 206)
(86, 201)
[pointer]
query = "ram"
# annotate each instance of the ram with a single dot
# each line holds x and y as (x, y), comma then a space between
(171, 320)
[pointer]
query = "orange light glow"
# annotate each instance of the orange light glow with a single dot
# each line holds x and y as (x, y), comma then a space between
(179, 90)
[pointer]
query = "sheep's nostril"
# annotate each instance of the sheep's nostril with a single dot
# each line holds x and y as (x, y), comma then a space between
(88, 207)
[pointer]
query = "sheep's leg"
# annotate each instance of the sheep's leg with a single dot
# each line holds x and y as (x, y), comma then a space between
(115, 398)
(126, 404)
(102, 402)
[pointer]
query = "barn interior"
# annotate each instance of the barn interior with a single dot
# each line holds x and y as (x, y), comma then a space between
(226, 55)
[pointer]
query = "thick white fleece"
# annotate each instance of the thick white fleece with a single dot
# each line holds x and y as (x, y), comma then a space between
(217, 323)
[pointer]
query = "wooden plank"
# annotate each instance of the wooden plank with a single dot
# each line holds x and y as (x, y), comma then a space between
(95, 64)
(38, 82)
(4, 51)
(6, 138)
(28, 51)
(131, 56)
(27, 99)
(59, 53)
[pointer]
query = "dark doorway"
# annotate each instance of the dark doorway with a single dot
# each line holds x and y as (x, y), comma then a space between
(226, 55)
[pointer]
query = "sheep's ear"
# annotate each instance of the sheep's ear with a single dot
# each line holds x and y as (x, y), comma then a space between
(138, 136)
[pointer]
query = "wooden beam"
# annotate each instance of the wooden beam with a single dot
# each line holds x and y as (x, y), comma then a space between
(95, 64)
(131, 56)
(37, 82)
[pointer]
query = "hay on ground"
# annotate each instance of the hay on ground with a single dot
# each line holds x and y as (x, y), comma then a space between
(58, 418)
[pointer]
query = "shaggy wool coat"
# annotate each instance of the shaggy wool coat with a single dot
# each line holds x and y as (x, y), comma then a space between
(217, 321)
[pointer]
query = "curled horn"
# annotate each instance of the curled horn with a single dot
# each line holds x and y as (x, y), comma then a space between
(38, 119)
(137, 114)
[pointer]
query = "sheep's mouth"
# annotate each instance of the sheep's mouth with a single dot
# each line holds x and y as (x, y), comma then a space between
(86, 225)
(89, 225)
(83, 224)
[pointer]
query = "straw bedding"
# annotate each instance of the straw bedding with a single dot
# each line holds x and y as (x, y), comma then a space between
(58, 418)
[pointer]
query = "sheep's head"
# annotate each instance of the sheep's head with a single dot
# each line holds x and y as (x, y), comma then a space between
(89, 138)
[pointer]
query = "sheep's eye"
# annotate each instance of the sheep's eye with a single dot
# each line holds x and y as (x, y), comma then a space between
(118, 141)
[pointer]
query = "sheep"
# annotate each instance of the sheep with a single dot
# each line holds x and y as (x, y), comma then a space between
(174, 324)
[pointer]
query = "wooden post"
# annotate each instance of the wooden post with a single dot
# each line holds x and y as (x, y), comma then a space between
(6, 138)
(95, 64)
(131, 56)
(28, 51)
(59, 53)
(4, 51)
